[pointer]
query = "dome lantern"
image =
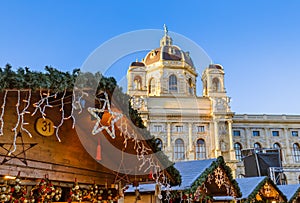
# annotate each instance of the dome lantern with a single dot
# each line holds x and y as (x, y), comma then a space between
(166, 40)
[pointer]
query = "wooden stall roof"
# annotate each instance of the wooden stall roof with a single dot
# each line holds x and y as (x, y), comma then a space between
(292, 192)
(213, 180)
(211, 173)
(259, 188)
(71, 153)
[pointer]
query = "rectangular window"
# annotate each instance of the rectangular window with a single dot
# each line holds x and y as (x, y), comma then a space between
(200, 129)
(255, 133)
(295, 133)
(179, 128)
(236, 133)
(275, 133)
(157, 128)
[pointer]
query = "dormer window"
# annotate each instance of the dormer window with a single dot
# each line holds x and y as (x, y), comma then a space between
(191, 86)
(152, 87)
(153, 54)
(137, 83)
(172, 83)
(216, 85)
(172, 51)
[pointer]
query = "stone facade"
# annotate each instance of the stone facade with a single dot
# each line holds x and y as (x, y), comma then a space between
(191, 127)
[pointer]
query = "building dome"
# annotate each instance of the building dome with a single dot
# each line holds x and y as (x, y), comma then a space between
(167, 52)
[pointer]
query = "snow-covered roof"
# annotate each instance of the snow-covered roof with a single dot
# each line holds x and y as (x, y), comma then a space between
(190, 171)
(289, 190)
(248, 185)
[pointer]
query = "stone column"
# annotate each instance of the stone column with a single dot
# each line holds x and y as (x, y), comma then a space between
(190, 148)
(287, 157)
(217, 144)
(230, 135)
(248, 136)
(231, 147)
(190, 136)
(267, 134)
(169, 135)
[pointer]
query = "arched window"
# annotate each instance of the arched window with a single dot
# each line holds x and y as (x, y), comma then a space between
(257, 145)
(179, 150)
(216, 85)
(152, 87)
(137, 83)
(159, 144)
(200, 149)
(296, 152)
(191, 88)
(204, 91)
(277, 146)
(283, 179)
(238, 151)
(172, 83)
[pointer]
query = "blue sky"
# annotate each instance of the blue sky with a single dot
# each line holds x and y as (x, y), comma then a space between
(257, 42)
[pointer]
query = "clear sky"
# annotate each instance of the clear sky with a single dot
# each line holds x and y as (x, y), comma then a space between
(257, 42)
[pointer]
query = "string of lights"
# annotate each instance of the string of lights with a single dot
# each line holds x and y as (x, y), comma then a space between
(25, 111)
(142, 151)
(2, 113)
(43, 103)
(62, 116)
(15, 130)
(116, 119)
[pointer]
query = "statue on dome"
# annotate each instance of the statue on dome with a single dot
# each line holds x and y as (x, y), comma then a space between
(166, 29)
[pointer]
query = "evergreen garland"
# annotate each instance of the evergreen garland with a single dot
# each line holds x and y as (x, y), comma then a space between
(24, 78)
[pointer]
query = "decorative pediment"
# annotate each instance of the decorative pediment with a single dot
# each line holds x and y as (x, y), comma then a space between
(217, 183)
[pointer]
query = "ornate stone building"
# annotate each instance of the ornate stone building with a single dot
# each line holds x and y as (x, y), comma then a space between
(191, 127)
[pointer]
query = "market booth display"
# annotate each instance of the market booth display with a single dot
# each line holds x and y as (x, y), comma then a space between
(256, 189)
(260, 189)
(201, 181)
(62, 143)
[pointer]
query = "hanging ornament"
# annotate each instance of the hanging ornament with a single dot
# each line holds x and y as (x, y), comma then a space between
(43, 192)
(5, 192)
(58, 193)
(17, 191)
(111, 118)
(98, 153)
(75, 194)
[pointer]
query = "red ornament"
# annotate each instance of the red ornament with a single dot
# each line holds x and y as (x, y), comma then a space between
(98, 154)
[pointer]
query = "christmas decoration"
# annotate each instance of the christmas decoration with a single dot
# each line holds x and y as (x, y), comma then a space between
(142, 151)
(2, 113)
(17, 192)
(75, 194)
(58, 193)
(20, 155)
(5, 192)
(218, 172)
(113, 117)
(98, 152)
(62, 116)
(25, 111)
(43, 192)
(55, 87)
